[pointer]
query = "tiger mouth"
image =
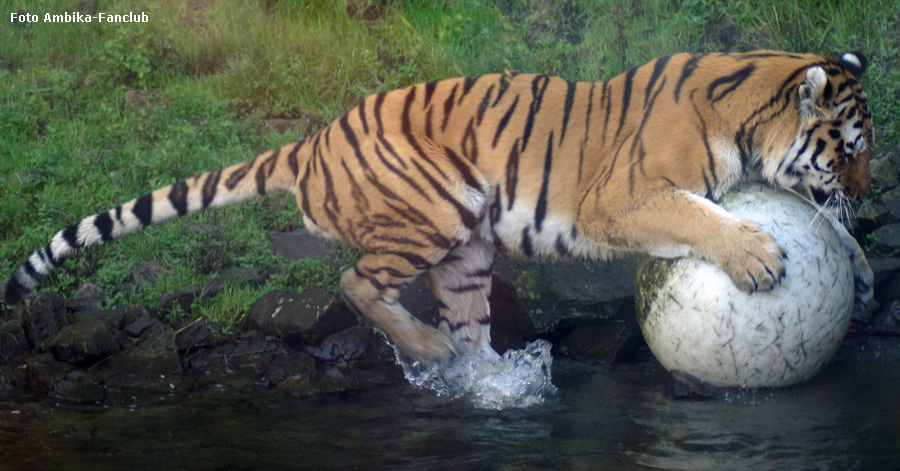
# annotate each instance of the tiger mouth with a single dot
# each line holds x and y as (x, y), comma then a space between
(821, 197)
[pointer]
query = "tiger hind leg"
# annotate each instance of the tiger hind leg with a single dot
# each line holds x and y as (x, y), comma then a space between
(461, 282)
(372, 288)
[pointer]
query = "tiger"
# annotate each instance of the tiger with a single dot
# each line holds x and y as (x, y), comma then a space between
(436, 178)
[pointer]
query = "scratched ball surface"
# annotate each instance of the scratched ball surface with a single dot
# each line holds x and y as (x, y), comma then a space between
(697, 322)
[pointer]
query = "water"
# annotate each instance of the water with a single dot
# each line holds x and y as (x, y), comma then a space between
(848, 418)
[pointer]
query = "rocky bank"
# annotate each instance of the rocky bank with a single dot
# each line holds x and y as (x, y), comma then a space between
(308, 343)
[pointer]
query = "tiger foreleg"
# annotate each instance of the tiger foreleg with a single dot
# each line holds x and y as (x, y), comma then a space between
(863, 276)
(672, 223)
(461, 282)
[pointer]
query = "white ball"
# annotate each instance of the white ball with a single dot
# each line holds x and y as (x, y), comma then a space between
(697, 322)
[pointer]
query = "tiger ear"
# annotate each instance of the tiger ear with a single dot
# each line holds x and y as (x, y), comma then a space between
(855, 63)
(811, 90)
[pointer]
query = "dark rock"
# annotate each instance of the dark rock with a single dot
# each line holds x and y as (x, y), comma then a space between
(184, 298)
(684, 391)
(198, 333)
(43, 372)
(511, 326)
(13, 340)
(353, 344)
(305, 318)
(872, 214)
(79, 386)
(244, 350)
(605, 343)
(331, 381)
(282, 365)
(45, 315)
(887, 236)
(571, 289)
(884, 167)
(140, 325)
(300, 244)
(89, 297)
(85, 342)
(150, 364)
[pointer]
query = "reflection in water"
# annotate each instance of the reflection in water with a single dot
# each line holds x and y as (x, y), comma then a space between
(847, 418)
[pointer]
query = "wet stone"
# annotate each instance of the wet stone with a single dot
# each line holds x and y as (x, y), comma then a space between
(43, 372)
(85, 343)
(887, 236)
(511, 327)
(198, 333)
(148, 364)
(353, 344)
(89, 297)
(305, 318)
(883, 167)
(44, 316)
(12, 338)
(607, 343)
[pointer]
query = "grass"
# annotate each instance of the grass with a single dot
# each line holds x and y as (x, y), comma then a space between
(70, 145)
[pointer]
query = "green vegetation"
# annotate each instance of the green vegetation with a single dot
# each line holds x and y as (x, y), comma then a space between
(74, 140)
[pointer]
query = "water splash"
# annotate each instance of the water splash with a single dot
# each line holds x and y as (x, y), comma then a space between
(518, 379)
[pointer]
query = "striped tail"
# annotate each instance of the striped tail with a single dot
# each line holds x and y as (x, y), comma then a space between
(272, 171)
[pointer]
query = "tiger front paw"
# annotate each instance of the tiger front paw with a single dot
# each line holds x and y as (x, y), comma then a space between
(753, 259)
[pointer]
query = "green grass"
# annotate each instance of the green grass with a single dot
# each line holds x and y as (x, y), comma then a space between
(70, 145)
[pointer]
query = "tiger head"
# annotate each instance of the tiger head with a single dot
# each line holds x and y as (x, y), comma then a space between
(829, 157)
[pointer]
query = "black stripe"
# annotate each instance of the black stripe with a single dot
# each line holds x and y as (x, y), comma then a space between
(735, 80)
(403, 175)
(265, 170)
(292, 159)
(469, 142)
(143, 209)
(538, 87)
(304, 196)
(448, 107)
(70, 234)
(561, 247)
(379, 101)
(587, 128)
(468, 83)
(429, 132)
(658, 67)
(540, 210)
(482, 273)
(567, 109)
(362, 116)
(356, 192)
(504, 121)
(648, 110)
(209, 187)
(527, 248)
(468, 218)
(104, 225)
(407, 132)
(512, 174)
(605, 94)
(415, 260)
(178, 197)
(238, 175)
(429, 92)
(626, 101)
(331, 206)
(484, 104)
(463, 169)
(686, 71)
(467, 288)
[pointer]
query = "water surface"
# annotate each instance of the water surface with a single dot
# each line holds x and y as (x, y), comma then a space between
(847, 418)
